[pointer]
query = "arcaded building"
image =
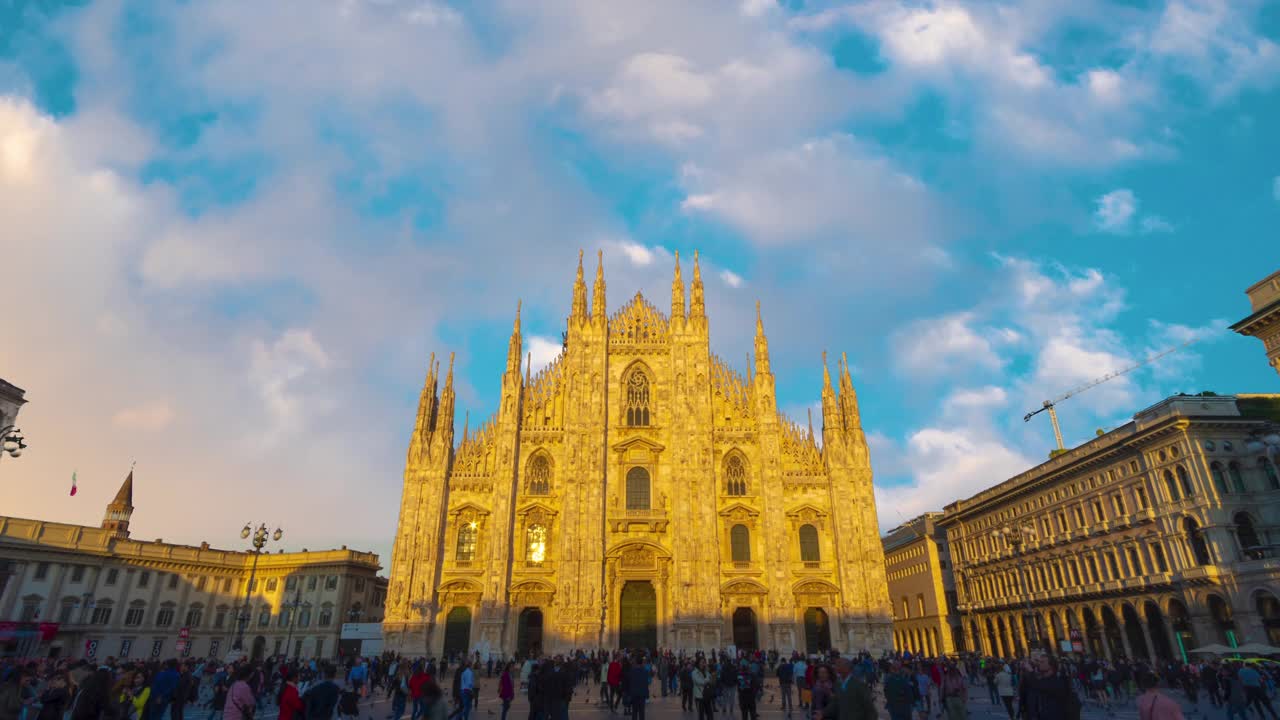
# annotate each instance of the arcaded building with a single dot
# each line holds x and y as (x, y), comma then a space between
(637, 492)
(1145, 542)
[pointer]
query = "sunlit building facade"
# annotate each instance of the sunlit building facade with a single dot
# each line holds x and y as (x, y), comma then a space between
(1145, 542)
(922, 588)
(97, 592)
(637, 492)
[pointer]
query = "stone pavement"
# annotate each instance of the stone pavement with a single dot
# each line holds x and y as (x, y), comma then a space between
(659, 708)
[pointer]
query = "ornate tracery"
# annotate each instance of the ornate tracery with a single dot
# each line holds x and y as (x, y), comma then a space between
(735, 476)
(637, 399)
(538, 476)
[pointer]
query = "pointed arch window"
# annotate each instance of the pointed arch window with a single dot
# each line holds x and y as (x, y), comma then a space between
(637, 489)
(809, 551)
(637, 400)
(740, 543)
(735, 476)
(467, 535)
(539, 476)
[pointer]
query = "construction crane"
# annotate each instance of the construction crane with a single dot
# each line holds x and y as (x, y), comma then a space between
(1051, 404)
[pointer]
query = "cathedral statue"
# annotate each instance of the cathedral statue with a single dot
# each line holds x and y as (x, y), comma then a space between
(636, 474)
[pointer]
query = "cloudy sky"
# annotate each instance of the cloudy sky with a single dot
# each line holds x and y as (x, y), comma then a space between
(231, 232)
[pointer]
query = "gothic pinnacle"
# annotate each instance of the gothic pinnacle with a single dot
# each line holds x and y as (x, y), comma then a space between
(597, 293)
(579, 310)
(697, 307)
(528, 367)
(826, 374)
(677, 292)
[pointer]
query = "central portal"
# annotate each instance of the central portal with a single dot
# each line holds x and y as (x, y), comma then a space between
(638, 616)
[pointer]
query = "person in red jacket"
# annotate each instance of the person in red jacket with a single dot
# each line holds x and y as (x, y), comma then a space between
(289, 700)
(416, 683)
(615, 683)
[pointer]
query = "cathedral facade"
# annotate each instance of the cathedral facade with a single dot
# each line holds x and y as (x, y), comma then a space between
(638, 493)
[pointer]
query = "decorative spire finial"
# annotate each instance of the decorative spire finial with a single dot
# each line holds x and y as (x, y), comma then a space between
(597, 293)
(677, 292)
(579, 308)
(528, 367)
(697, 304)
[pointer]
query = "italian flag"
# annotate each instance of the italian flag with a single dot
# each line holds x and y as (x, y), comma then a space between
(73, 483)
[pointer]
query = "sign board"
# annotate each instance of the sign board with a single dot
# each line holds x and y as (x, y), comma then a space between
(1064, 646)
(90, 649)
(1077, 641)
(156, 647)
(361, 631)
(125, 646)
(184, 633)
(213, 647)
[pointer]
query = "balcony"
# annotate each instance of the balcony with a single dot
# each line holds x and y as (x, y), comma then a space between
(1201, 574)
(1144, 515)
(651, 519)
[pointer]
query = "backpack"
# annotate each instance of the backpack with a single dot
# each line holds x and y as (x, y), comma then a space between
(348, 703)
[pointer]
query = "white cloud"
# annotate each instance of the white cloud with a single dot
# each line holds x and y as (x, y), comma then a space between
(1115, 210)
(542, 350)
(1155, 224)
(148, 417)
(642, 255)
(988, 396)
(281, 370)
(1217, 43)
(944, 345)
(731, 278)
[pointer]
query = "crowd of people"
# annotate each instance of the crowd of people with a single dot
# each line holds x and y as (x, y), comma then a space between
(710, 686)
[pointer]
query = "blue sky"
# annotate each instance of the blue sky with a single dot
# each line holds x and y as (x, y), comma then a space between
(235, 230)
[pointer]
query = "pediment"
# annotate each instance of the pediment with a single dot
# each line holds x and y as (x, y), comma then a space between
(744, 587)
(460, 586)
(537, 507)
(638, 443)
(814, 587)
(738, 509)
(468, 507)
(806, 512)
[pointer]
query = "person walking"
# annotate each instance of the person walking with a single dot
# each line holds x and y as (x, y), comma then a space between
(289, 701)
(1004, 686)
(850, 697)
(1251, 679)
(1046, 694)
(638, 678)
(1153, 704)
(954, 693)
(786, 674)
(899, 692)
(704, 683)
(507, 688)
(320, 699)
(241, 703)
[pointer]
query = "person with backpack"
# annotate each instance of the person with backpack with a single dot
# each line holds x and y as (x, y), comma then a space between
(1048, 695)
(240, 703)
(321, 698)
(349, 703)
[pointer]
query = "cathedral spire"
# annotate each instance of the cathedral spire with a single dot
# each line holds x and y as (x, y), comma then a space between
(446, 404)
(830, 412)
(513, 348)
(425, 400)
(578, 313)
(677, 293)
(848, 396)
(597, 293)
(762, 345)
(810, 424)
(697, 306)
(528, 367)
(466, 425)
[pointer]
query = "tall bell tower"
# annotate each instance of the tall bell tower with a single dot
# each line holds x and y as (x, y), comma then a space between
(119, 510)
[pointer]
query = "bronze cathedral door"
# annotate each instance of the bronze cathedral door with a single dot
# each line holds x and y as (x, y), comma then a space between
(638, 617)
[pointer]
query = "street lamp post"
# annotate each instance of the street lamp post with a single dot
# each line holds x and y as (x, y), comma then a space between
(260, 537)
(1015, 535)
(293, 618)
(11, 441)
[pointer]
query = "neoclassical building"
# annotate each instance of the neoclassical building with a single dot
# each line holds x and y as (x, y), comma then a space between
(637, 492)
(1145, 542)
(80, 591)
(922, 587)
(1264, 322)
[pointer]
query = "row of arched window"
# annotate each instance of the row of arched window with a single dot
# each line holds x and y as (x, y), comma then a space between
(536, 543)
(538, 479)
